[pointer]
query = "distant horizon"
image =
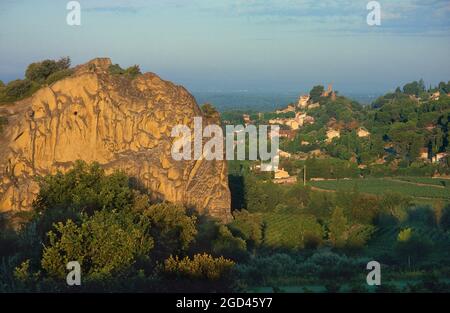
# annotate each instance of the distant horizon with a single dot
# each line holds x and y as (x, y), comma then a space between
(273, 45)
(263, 101)
(301, 90)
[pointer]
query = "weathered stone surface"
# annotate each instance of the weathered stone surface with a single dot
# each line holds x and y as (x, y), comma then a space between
(118, 122)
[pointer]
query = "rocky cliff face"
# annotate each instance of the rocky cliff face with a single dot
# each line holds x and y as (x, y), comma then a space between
(118, 122)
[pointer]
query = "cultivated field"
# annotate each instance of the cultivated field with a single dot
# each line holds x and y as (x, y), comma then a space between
(416, 187)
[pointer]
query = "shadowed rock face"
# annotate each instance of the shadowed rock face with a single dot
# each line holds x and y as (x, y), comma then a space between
(120, 123)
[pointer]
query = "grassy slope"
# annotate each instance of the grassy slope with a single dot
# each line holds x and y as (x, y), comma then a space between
(414, 187)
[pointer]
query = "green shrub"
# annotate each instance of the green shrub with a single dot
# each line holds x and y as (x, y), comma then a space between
(247, 226)
(172, 228)
(84, 188)
(201, 273)
(131, 72)
(209, 110)
(115, 69)
(47, 71)
(228, 245)
(105, 244)
(359, 235)
(201, 266)
(58, 76)
(17, 89)
(445, 219)
(8, 238)
(330, 266)
(412, 247)
(268, 269)
(40, 71)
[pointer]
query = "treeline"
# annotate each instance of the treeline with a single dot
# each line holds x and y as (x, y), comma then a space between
(336, 168)
(36, 75)
(47, 72)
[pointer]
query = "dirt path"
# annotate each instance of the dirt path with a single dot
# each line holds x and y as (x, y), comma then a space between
(413, 183)
(322, 190)
(373, 194)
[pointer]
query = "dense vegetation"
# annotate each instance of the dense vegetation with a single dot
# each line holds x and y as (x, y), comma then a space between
(400, 125)
(131, 72)
(321, 241)
(122, 240)
(281, 237)
(48, 72)
(37, 75)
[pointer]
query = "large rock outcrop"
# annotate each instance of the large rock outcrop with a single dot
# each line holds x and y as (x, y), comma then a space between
(121, 123)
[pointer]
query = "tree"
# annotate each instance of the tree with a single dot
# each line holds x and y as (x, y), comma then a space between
(115, 69)
(83, 189)
(247, 226)
(105, 244)
(17, 89)
(133, 71)
(172, 229)
(209, 110)
(337, 228)
(445, 219)
(308, 231)
(407, 142)
(64, 63)
(395, 205)
(316, 93)
(297, 196)
(200, 267)
(40, 71)
(201, 273)
(229, 246)
(414, 247)
(414, 88)
(437, 142)
(8, 238)
(52, 78)
(358, 235)
(255, 198)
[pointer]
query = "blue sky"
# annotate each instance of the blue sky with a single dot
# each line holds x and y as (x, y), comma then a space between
(231, 45)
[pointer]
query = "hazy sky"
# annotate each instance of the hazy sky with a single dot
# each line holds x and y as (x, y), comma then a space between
(230, 45)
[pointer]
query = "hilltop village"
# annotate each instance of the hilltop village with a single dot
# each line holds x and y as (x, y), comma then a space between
(347, 140)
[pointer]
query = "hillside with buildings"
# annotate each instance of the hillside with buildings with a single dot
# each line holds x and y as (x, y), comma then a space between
(404, 131)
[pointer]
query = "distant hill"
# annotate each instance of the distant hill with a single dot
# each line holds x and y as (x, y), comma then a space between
(262, 102)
